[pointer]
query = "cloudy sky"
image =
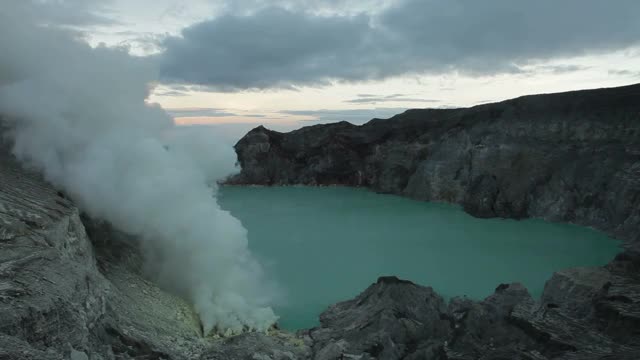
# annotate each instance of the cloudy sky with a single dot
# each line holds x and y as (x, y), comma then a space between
(284, 62)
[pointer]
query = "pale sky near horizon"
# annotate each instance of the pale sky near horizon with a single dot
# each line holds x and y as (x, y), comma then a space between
(302, 62)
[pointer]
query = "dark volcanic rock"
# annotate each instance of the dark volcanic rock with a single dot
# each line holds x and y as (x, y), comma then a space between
(572, 157)
(401, 320)
(583, 315)
(392, 319)
(73, 288)
(57, 301)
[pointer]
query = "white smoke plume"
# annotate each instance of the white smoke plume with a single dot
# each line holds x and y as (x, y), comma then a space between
(79, 115)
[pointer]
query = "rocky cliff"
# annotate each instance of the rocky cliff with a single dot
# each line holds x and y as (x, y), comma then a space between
(570, 157)
(72, 287)
(59, 300)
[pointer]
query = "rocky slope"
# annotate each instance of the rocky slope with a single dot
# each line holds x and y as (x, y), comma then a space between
(72, 287)
(571, 157)
(55, 300)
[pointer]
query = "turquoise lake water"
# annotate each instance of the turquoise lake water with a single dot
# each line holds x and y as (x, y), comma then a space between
(324, 245)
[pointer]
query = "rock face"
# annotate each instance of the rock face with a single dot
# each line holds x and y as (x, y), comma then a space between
(51, 294)
(570, 157)
(395, 319)
(57, 300)
(72, 287)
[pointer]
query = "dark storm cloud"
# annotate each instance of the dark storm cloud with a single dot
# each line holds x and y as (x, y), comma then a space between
(278, 48)
(488, 36)
(261, 49)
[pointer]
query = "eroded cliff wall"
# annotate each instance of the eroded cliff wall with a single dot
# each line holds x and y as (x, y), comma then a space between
(571, 157)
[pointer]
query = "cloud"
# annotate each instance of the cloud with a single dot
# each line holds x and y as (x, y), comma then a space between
(558, 69)
(174, 93)
(80, 115)
(624, 72)
(174, 90)
(207, 112)
(146, 42)
(74, 13)
(354, 116)
(286, 46)
(258, 51)
(374, 99)
(316, 7)
(199, 112)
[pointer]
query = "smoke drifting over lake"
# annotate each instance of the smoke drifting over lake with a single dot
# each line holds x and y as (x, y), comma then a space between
(79, 115)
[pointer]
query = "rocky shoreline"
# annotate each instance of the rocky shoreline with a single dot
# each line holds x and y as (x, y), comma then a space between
(72, 287)
(568, 157)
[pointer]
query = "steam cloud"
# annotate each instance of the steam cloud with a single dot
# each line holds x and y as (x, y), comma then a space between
(80, 116)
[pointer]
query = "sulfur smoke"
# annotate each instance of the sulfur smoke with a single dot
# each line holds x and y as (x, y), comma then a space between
(80, 115)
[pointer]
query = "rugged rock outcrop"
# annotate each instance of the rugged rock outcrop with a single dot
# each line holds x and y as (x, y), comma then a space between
(57, 301)
(396, 319)
(570, 157)
(73, 288)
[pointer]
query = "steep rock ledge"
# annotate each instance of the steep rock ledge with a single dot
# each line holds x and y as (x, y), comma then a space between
(570, 157)
(56, 300)
(51, 294)
(71, 288)
(396, 319)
